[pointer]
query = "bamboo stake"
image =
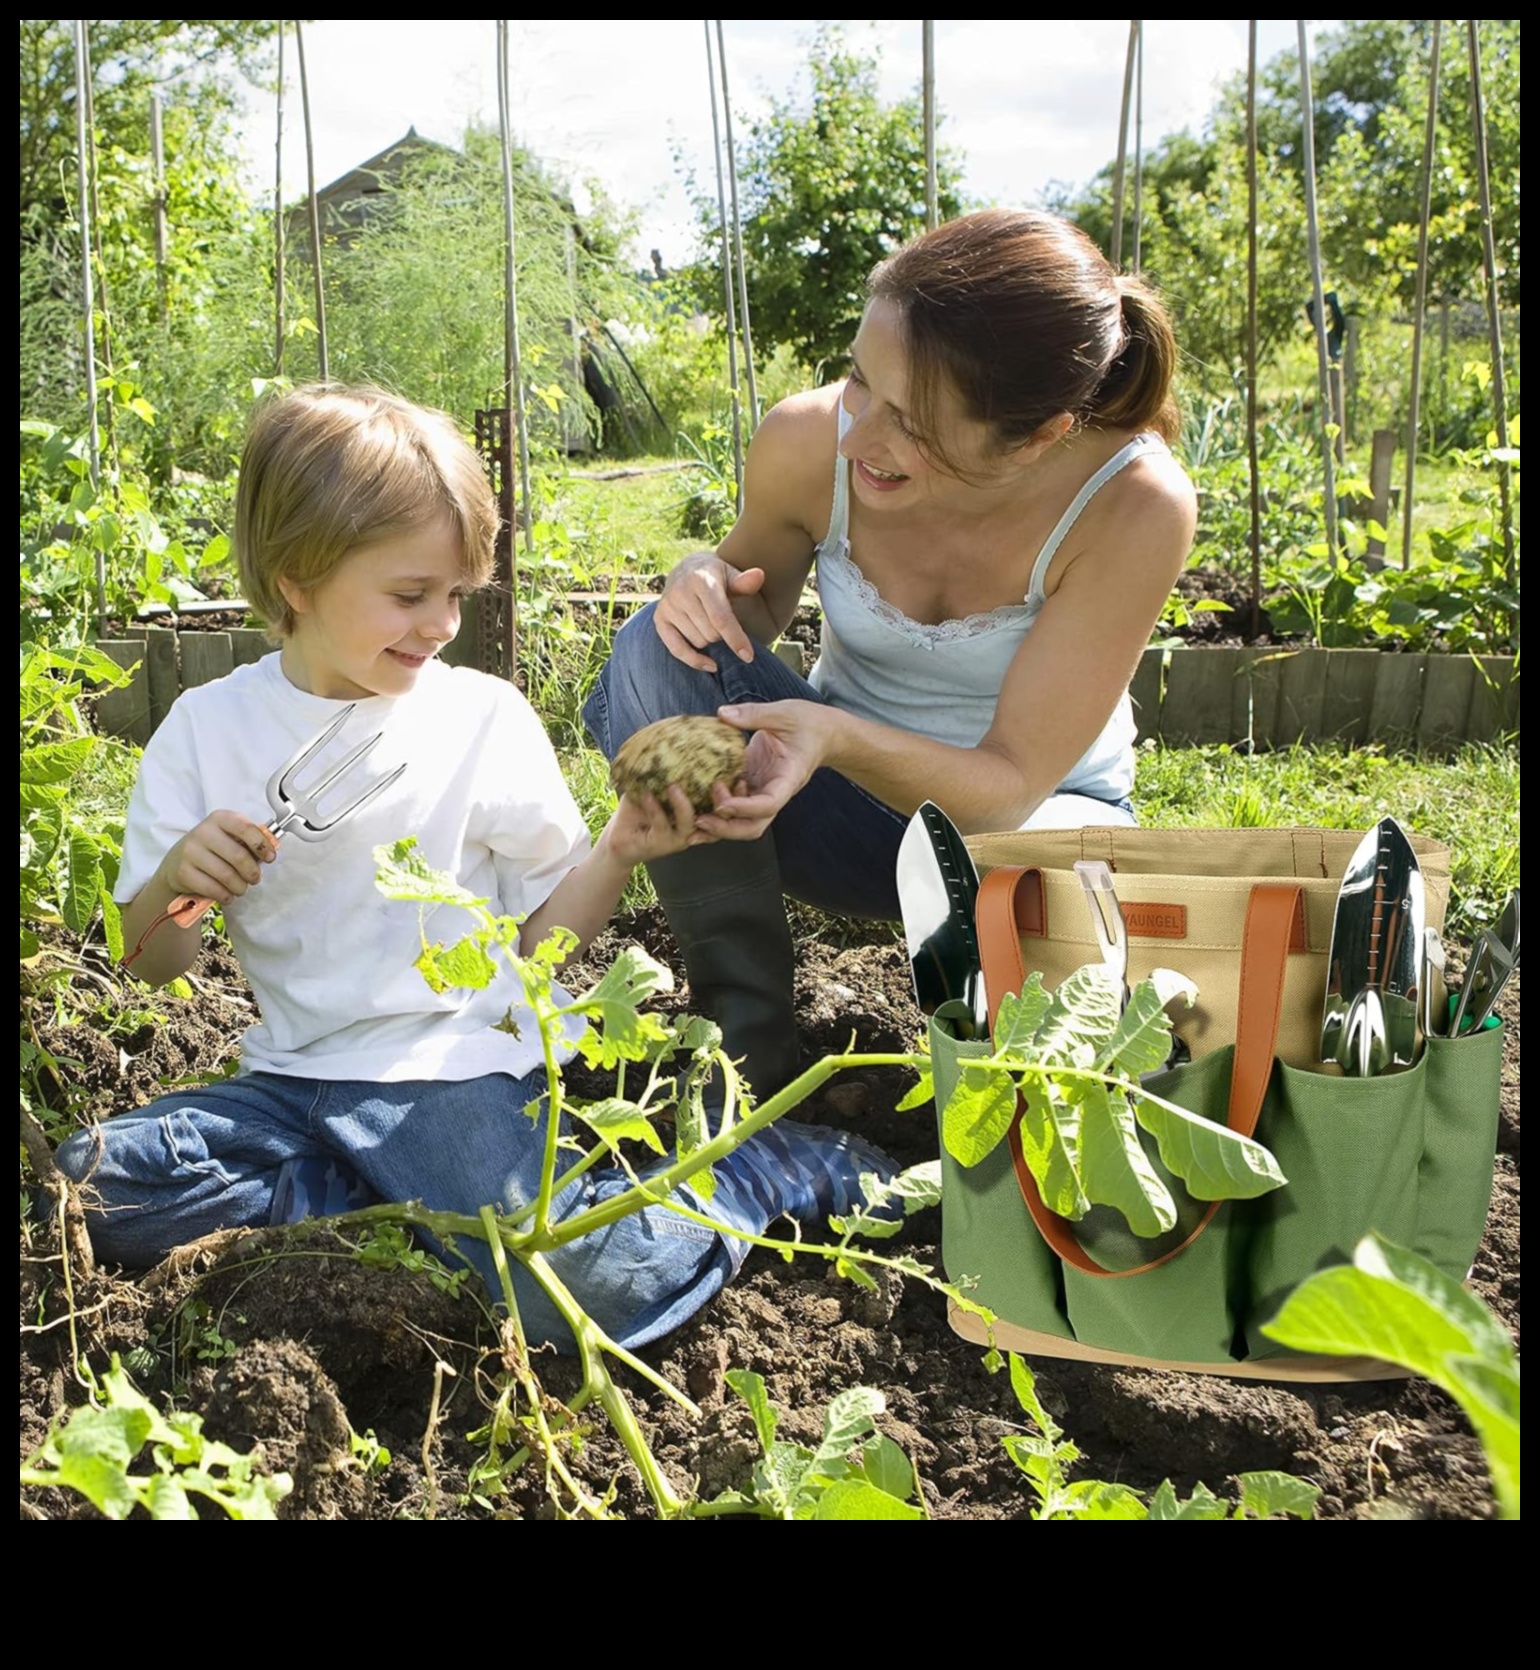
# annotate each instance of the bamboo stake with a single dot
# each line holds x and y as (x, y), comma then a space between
(315, 206)
(512, 368)
(1254, 210)
(1420, 306)
(1116, 251)
(1139, 146)
(1494, 317)
(158, 172)
(1318, 290)
(87, 289)
(280, 323)
(928, 78)
(727, 280)
(743, 277)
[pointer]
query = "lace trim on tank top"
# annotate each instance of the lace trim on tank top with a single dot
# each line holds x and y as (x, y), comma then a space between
(835, 548)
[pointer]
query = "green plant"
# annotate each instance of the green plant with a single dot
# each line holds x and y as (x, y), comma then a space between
(661, 1066)
(711, 506)
(1072, 1059)
(793, 1482)
(1047, 1457)
(93, 1449)
(1391, 1304)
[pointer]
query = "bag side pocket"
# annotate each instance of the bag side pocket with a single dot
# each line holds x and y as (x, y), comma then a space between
(1454, 1179)
(1351, 1149)
(990, 1247)
(1189, 1308)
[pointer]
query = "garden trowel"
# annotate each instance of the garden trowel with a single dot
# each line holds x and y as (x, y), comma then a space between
(937, 892)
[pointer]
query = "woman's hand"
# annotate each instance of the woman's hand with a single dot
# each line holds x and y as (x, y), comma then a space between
(219, 859)
(790, 741)
(696, 609)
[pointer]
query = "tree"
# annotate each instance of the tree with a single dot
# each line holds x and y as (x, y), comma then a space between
(827, 189)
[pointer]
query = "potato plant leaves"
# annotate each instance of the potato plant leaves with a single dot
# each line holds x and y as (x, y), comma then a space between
(1065, 1068)
(1392, 1304)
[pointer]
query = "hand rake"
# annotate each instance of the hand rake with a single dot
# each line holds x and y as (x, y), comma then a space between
(294, 807)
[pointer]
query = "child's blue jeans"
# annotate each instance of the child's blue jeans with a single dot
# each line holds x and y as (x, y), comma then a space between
(210, 1158)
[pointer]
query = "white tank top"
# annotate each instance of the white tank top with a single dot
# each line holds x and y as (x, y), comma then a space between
(944, 681)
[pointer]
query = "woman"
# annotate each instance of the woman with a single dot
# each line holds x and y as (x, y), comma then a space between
(1005, 526)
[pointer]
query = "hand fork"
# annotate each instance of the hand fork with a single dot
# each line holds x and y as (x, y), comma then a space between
(301, 807)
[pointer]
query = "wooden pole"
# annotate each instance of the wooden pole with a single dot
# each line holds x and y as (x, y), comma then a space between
(1494, 320)
(280, 322)
(87, 287)
(158, 171)
(1138, 144)
(1253, 457)
(928, 81)
(743, 277)
(727, 279)
(512, 368)
(315, 206)
(1420, 305)
(1116, 251)
(1318, 290)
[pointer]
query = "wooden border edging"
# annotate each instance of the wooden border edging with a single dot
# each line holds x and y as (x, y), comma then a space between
(1183, 697)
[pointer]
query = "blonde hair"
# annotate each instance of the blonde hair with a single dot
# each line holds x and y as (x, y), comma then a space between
(328, 468)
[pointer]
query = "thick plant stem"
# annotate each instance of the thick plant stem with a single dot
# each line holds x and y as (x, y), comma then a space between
(766, 1113)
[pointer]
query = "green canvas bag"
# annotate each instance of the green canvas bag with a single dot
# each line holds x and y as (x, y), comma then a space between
(1409, 1154)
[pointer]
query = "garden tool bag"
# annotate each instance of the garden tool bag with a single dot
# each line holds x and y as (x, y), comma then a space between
(1247, 915)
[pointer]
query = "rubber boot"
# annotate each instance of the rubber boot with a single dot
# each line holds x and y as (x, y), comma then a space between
(800, 1171)
(724, 905)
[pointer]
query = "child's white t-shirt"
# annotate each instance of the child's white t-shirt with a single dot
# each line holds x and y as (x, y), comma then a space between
(330, 958)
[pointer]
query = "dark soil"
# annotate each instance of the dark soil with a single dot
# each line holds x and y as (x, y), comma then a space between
(296, 1353)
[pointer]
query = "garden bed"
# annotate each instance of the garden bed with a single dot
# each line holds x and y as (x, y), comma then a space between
(294, 1353)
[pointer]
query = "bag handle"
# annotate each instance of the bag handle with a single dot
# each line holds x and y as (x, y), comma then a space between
(1010, 900)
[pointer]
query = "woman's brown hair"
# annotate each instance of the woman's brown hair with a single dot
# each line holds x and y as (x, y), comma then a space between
(1025, 318)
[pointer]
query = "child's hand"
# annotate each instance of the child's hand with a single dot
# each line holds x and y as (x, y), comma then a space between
(644, 828)
(219, 859)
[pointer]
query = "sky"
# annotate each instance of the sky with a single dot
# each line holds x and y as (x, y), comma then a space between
(1026, 103)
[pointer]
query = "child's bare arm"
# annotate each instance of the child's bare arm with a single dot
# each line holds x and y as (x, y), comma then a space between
(585, 898)
(219, 860)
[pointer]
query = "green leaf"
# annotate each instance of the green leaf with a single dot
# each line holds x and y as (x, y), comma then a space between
(1396, 1306)
(1114, 1168)
(1081, 1018)
(83, 882)
(400, 872)
(847, 1422)
(1021, 1014)
(885, 1466)
(1050, 1145)
(751, 1388)
(1266, 1494)
(978, 1113)
(464, 965)
(1141, 1041)
(56, 762)
(1202, 1504)
(1214, 1162)
(1093, 1499)
(615, 1121)
(859, 1499)
(919, 1095)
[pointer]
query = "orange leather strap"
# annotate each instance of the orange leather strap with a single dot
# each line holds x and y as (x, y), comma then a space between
(1010, 902)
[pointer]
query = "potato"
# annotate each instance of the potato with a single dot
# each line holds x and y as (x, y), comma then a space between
(692, 750)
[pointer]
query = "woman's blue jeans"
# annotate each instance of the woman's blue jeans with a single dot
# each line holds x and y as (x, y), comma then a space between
(837, 846)
(210, 1158)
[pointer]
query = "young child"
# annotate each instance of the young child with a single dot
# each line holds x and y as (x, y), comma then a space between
(361, 523)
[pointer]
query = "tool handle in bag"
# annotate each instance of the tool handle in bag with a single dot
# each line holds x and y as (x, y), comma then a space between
(1009, 903)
